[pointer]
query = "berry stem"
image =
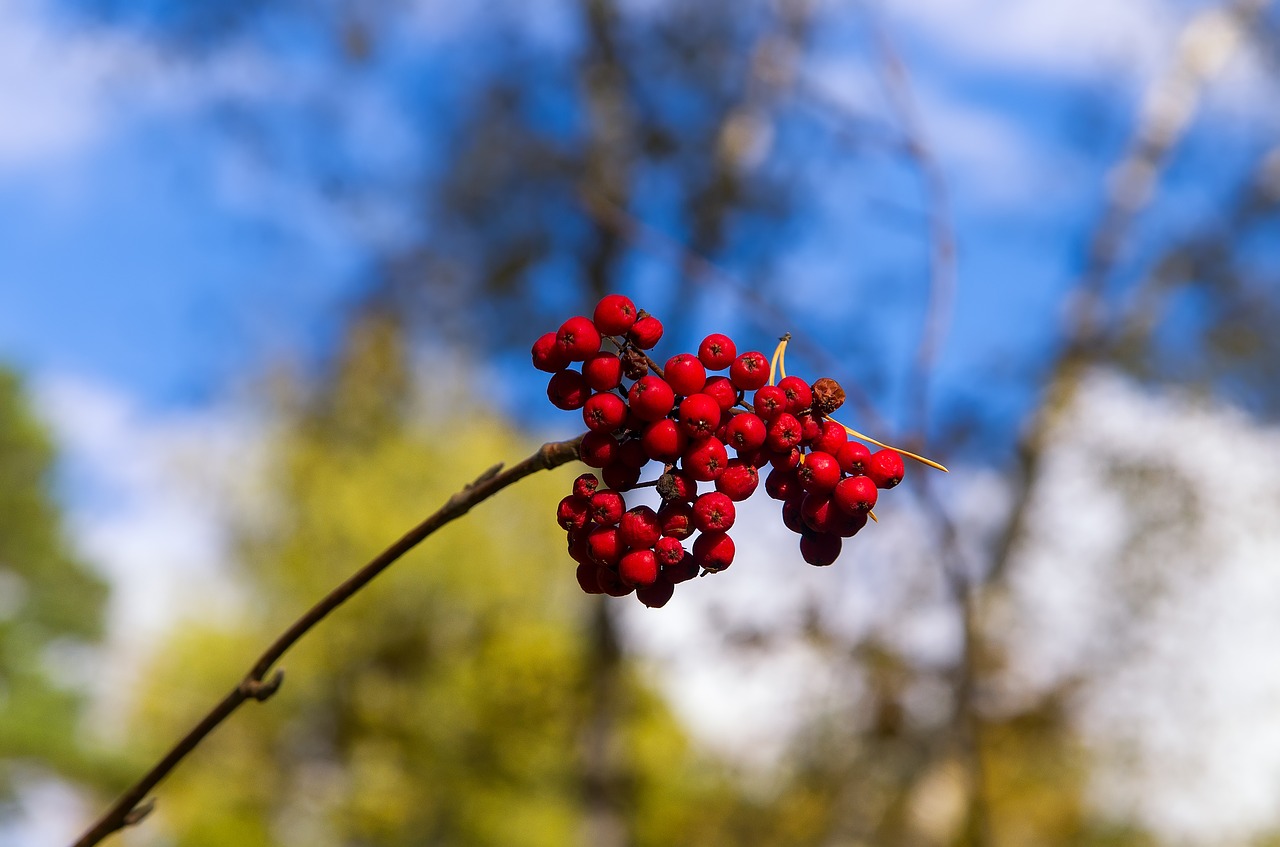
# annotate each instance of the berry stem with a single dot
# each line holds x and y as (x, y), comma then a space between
(130, 808)
(777, 365)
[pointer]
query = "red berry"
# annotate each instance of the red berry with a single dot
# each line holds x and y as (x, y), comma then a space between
(705, 459)
(745, 433)
(586, 485)
(699, 415)
(819, 512)
(833, 437)
(769, 402)
(587, 578)
(639, 567)
(739, 480)
(685, 374)
(676, 519)
(856, 495)
(792, 517)
(783, 484)
(606, 507)
(786, 460)
(810, 429)
(713, 512)
(614, 314)
(579, 338)
(713, 551)
(603, 545)
(548, 355)
(604, 412)
(686, 570)
(799, 394)
(819, 472)
(885, 468)
(598, 449)
(603, 371)
(639, 528)
(578, 549)
(567, 390)
(819, 548)
(678, 485)
(655, 596)
(749, 371)
(572, 512)
(853, 458)
(651, 398)
(717, 352)
(632, 454)
(848, 526)
(669, 551)
(784, 433)
(645, 332)
(722, 389)
(757, 458)
(620, 476)
(664, 440)
(611, 583)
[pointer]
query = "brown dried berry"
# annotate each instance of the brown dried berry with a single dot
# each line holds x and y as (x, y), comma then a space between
(827, 396)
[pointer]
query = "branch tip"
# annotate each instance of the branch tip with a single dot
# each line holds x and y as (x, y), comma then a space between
(138, 812)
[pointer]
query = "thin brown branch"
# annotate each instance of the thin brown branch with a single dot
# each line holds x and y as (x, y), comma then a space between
(131, 808)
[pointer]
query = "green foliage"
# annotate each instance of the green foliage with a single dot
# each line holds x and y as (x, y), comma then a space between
(48, 599)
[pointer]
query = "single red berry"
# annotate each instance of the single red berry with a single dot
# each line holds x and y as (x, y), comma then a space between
(639, 567)
(783, 484)
(651, 398)
(769, 402)
(604, 546)
(705, 459)
(604, 412)
(567, 390)
(699, 415)
(646, 332)
(757, 458)
(717, 352)
(611, 583)
(820, 548)
(819, 512)
(745, 433)
(686, 570)
(631, 453)
(621, 476)
(639, 528)
(572, 512)
(587, 578)
(598, 449)
(854, 458)
(819, 472)
(678, 485)
(722, 389)
(833, 437)
(548, 355)
(792, 517)
(676, 519)
(606, 507)
(664, 440)
(784, 433)
(810, 429)
(886, 468)
(856, 495)
(579, 338)
(739, 480)
(614, 314)
(655, 596)
(713, 512)
(603, 371)
(847, 526)
(799, 394)
(586, 485)
(786, 460)
(749, 371)
(713, 551)
(578, 549)
(685, 374)
(669, 551)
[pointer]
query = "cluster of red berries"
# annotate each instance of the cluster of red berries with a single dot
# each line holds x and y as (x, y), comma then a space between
(686, 416)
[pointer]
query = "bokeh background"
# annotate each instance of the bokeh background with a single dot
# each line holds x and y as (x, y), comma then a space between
(269, 274)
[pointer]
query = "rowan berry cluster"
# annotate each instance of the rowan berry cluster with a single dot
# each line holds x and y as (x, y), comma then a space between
(687, 414)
